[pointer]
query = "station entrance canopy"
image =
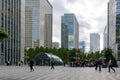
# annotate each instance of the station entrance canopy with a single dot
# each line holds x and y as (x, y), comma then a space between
(45, 58)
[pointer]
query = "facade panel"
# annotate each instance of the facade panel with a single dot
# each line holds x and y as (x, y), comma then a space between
(12, 21)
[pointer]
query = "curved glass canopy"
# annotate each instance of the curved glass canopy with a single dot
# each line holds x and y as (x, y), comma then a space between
(45, 58)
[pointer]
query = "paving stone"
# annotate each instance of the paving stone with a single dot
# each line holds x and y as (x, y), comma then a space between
(59, 73)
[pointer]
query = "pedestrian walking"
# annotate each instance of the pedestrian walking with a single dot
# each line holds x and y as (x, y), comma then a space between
(64, 64)
(110, 66)
(52, 64)
(31, 63)
(98, 63)
(7, 63)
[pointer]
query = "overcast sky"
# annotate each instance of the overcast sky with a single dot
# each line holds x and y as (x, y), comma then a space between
(91, 15)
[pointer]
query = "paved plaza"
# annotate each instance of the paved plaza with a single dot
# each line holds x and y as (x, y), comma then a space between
(60, 73)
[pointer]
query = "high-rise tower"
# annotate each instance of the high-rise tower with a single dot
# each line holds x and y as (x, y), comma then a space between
(114, 27)
(12, 13)
(69, 31)
(38, 23)
(94, 42)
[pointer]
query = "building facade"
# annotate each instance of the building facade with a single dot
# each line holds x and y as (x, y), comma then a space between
(114, 27)
(64, 36)
(94, 42)
(46, 11)
(55, 45)
(82, 46)
(12, 20)
(70, 23)
(38, 23)
(105, 38)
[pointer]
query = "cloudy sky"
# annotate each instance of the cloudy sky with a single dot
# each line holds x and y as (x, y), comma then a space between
(91, 15)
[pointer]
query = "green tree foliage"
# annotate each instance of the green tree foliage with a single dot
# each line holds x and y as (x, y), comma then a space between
(65, 56)
(71, 55)
(37, 50)
(97, 55)
(42, 49)
(31, 53)
(54, 51)
(93, 56)
(61, 53)
(47, 50)
(3, 34)
(107, 53)
(82, 56)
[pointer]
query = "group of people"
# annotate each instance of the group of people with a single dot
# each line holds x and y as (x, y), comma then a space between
(31, 63)
(98, 63)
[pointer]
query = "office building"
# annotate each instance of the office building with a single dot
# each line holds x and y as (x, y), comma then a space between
(114, 27)
(55, 45)
(12, 20)
(105, 38)
(38, 23)
(64, 36)
(69, 31)
(82, 46)
(94, 42)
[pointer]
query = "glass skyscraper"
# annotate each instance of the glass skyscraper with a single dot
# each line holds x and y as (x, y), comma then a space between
(105, 38)
(82, 46)
(38, 23)
(64, 36)
(12, 13)
(70, 23)
(94, 42)
(32, 22)
(114, 27)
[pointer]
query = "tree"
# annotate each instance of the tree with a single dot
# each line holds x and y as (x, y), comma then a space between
(42, 49)
(72, 54)
(30, 53)
(107, 53)
(3, 34)
(54, 51)
(97, 55)
(36, 51)
(46, 49)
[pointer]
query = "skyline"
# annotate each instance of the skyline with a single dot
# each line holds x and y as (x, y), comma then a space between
(91, 16)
